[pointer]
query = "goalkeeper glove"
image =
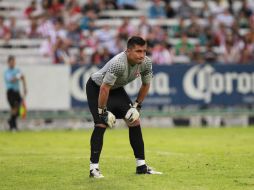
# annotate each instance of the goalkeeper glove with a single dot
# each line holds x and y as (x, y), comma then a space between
(107, 117)
(133, 113)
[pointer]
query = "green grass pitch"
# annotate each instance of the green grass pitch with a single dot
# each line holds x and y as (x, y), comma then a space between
(190, 159)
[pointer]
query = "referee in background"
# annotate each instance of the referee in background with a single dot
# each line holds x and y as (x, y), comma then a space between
(12, 77)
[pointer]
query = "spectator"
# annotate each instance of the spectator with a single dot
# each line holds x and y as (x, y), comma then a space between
(105, 55)
(205, 10)
(230, 6)
(56, 8)
(144, 28)
(47, 47)
(217, 8)
(247, 55)
(46, 27)
(197, 56)
(30, 9)
(211, 23)
(60, 27)
(245, 9)
(96, 58)
(126, 4)
(59, 30)
(108, 5)
(157, 10)
(37, 10)
(184, 47)
(73, 34)
(82, 58)
(88, 39)
(72, 6)
(4, 30)
(220, 35)
(185, 10)
(87, 20)
(205, 35)
(178, 29)
(230, 53)
(15, 32)
(72, 12)
(209, 55)
(159, 34)
(161, 55)
(106, 36)
(170, 12)
(116, 46)
(193, 30)
(242, 20)
(126, 29)
(61, 52)
(226, 18)
(33, 30)
(90, 5)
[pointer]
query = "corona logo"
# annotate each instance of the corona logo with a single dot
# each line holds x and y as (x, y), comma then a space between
(201, 83)
(78, 82)
(159, 85)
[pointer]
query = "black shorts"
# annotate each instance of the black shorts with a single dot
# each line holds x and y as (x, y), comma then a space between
(14, 98)
(118, 101)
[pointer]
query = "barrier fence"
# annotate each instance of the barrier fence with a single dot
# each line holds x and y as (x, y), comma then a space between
(61, 87)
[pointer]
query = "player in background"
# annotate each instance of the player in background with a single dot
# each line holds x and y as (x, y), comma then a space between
(108, 100)
(12, 77)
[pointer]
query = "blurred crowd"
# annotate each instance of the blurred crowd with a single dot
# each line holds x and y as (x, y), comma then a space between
(221, 33)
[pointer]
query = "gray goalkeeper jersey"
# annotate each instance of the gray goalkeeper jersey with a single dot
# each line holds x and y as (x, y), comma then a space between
(117, 72)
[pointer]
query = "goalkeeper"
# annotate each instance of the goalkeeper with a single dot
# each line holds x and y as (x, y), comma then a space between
(108, 100)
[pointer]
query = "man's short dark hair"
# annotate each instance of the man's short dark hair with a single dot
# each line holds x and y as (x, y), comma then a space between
(135, 40)
(10, 58)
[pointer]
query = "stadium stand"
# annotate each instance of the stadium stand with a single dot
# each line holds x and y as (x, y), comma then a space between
(72, 11)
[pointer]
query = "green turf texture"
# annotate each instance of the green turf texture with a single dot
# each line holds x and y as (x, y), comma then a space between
(190, 159)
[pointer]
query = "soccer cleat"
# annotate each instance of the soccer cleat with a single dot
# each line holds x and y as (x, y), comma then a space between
(95, 173)
(144, 169)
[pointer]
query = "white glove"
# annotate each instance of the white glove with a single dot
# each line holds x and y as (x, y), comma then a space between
(132, 114)
(111, 120)
(107, 117)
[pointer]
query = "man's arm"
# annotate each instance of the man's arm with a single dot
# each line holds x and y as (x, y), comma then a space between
(142, 93)
(103, 96)
(106, 116)
(24, 84)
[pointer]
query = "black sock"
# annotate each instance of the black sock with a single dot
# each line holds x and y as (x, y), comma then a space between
(137, 142)
(12, 122)
(96, 143)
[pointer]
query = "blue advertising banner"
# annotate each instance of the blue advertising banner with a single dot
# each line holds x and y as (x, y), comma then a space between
(182, 85)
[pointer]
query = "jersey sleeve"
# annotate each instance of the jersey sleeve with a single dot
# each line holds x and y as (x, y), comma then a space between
(115, 70)
(147, 72)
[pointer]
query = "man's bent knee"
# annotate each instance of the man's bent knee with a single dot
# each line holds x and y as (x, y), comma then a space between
(133, 124)
(100, 125)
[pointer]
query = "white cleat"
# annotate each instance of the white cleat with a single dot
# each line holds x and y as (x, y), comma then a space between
(95, 173)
